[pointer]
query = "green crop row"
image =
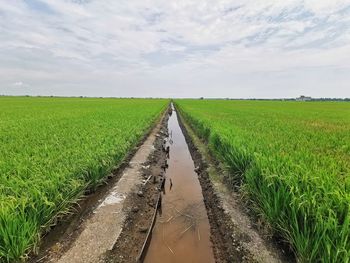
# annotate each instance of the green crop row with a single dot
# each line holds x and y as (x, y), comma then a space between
(52, 150)
(291, 160)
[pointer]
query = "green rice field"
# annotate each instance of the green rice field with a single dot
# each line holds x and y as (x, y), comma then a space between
(291, 162)
(52, 150)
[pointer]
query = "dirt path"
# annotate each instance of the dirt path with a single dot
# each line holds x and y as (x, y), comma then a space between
(141, 208)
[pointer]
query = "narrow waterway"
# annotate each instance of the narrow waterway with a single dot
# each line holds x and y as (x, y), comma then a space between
(181, 232)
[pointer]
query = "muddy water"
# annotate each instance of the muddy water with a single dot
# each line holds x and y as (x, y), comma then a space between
(182, 232)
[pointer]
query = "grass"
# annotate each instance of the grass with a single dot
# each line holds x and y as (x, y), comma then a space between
(291, 160)
(52, 150)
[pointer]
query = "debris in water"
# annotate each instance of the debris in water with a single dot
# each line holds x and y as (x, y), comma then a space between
(166, 243)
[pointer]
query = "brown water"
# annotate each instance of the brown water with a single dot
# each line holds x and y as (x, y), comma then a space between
(182, 231)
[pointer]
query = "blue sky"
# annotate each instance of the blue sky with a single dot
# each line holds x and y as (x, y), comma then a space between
(193, 48)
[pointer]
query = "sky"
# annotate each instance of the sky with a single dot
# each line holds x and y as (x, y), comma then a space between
(182, 48)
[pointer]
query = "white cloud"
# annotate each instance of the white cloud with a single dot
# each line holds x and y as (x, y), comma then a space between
(18, 83)
(175, 48)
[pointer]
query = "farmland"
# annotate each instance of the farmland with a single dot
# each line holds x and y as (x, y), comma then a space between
(290, 161)
(52, 150)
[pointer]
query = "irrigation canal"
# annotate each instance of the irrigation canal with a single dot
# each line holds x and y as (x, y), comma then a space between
(182, 231)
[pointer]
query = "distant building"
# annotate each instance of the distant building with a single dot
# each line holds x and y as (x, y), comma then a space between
(303, 98)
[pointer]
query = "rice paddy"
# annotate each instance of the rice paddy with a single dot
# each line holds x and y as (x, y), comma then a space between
(52, 150)
(291, 162)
